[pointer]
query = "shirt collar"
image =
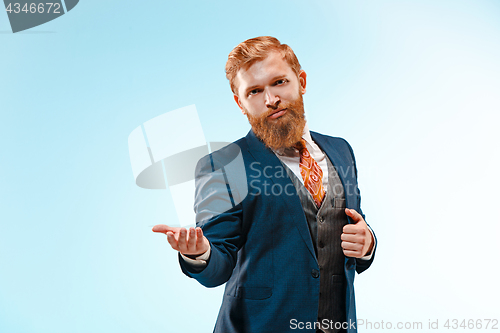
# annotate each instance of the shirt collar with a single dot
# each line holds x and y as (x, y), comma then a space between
(306, 135)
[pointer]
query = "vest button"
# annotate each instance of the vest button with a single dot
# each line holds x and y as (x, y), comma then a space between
(321, 219)
(315, 273)
(321, 244)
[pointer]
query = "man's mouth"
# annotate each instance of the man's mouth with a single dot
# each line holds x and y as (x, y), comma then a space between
(277, 114)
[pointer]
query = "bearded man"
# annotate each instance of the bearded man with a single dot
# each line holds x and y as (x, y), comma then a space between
(289, 255)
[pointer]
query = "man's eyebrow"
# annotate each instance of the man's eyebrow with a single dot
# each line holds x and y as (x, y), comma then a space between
(251, 88)
(278, 77)
(282, 76)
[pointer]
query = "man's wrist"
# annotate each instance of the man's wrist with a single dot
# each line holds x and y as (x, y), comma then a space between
(369, 253)
(197, 257)
(192, 256)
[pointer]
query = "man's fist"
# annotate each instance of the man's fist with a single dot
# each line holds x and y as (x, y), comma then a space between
(357, 239)
(190, 242)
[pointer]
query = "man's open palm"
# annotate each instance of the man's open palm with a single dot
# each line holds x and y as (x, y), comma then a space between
(187, 242)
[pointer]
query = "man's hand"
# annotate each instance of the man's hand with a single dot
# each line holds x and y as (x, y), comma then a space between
(357, 239)
(187, 243)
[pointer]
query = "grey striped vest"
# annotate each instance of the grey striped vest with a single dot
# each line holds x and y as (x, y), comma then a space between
(325, 226)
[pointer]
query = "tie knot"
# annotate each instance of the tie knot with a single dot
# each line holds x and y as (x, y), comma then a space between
(300, 146)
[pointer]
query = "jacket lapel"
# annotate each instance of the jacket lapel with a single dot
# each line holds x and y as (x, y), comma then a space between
(265, 157)
(339, 163)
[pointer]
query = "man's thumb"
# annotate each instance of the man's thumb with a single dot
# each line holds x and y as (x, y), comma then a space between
(161, 228)
(354, 215)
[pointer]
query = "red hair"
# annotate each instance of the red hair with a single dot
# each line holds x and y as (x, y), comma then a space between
(257, 49)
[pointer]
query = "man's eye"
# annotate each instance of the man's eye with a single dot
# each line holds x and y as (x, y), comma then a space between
(279, 82)
(253, 92)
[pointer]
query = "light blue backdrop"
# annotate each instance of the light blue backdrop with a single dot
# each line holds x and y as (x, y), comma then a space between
(412, 85)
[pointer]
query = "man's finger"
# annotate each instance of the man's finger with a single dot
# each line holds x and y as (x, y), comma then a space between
(352, 246)
(191, 244)
(354, 229)
(353, 254)
(171, 240)
(199, 238)
(163, 228)
(351, 237)
(182, 240)
(354, 215)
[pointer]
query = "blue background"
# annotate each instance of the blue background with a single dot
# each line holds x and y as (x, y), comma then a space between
(412, 85)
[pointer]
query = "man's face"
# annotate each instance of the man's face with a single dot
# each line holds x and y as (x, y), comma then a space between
(270, 94)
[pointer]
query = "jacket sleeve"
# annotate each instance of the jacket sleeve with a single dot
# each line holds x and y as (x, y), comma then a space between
(219, 213)
(362, 264)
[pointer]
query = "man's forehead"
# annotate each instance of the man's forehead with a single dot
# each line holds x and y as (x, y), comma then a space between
(273, 60)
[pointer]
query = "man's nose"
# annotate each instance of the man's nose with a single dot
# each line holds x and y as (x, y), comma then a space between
(272, 100)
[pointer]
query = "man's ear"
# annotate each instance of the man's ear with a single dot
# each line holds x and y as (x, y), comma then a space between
(237, 100)
(302, 81)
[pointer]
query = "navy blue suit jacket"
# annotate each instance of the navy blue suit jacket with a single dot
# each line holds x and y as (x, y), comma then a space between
(262, 247)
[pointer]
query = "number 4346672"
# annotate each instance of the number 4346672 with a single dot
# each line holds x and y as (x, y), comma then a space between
(33, 8)
(472, 324)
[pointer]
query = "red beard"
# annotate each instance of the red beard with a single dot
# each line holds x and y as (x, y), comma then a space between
(282, 132)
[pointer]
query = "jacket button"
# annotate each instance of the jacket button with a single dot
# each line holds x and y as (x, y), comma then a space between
(315, 273)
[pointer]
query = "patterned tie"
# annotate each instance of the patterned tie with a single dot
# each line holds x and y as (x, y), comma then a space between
(311, 173)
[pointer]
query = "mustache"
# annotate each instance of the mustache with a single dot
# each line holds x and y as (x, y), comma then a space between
(270, 111)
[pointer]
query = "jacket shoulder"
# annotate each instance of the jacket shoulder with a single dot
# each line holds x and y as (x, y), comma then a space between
(336, 142)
